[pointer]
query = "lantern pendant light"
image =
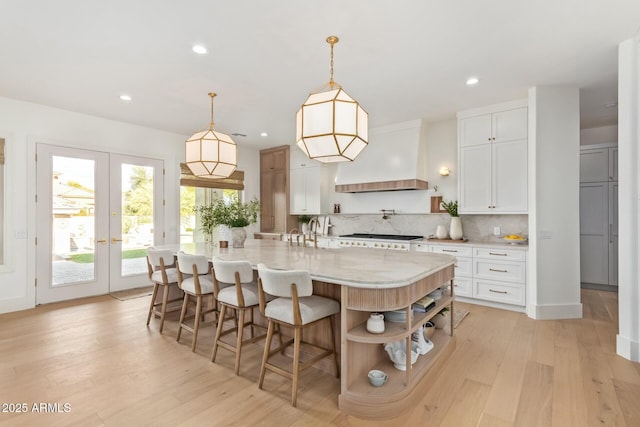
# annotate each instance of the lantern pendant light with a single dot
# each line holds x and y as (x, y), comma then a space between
(331, 126)
(211, 154)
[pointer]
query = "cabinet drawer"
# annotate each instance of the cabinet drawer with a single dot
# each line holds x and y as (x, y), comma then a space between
(499, 270)
(500, 254)
(452, 250)
(462, 287)
(508, 293)
(463, 266)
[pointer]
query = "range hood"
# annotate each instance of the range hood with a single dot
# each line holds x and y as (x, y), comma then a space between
(394, 159)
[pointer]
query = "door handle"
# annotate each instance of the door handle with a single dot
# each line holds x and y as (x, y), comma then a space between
(114, 240)
(610, 233)
(103, 241)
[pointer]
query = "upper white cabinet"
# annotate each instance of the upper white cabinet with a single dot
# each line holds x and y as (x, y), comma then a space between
(309, 187)
(599, 164)
(501, 126)
(492, 156)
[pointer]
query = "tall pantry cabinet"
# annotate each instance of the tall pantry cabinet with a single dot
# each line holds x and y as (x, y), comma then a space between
(274, 190)
(599, 215)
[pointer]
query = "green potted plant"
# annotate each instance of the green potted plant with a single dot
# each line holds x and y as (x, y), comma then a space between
(455, 229)
(234, 214)
(304, 223)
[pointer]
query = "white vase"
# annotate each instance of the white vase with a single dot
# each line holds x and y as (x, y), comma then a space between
(238, 236)
(441, 232)
(304, 227)
(455, 232)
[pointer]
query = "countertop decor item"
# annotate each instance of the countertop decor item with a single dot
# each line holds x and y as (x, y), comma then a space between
(455, 230)
(232, 213)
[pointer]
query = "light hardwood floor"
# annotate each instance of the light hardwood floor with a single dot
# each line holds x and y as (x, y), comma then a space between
(98, 356)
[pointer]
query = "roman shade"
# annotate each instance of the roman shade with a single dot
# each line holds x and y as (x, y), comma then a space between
(234, 182)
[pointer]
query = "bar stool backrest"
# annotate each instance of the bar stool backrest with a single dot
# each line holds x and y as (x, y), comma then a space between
(225, 271)
(278, 282)
(187, 261)
(155, 255)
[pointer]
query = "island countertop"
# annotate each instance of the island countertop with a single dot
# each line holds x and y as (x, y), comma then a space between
(353, 267)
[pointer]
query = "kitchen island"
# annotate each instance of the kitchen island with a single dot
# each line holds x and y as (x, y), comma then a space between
(364, 281)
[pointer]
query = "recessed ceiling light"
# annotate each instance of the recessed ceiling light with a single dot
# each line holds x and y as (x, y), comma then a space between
(264, 134)
(125, 97)
(199, 49)
(472, 81)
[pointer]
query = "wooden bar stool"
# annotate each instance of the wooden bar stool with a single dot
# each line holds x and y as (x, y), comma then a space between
(162, 273)
(242, 298)
(198, 286)
(295, 306)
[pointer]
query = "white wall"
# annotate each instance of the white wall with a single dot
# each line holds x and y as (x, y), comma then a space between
(554, 235)
(24, 124)
(599, 135)
(628, 339)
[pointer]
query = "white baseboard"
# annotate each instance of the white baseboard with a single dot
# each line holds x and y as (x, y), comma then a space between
(555, 311)
(627, 348)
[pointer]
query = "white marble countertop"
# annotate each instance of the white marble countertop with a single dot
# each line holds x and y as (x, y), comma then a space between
(356, 267)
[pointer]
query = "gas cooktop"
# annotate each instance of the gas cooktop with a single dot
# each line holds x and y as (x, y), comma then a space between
(380, 236)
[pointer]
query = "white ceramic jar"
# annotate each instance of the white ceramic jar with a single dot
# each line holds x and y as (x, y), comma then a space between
(375, 323)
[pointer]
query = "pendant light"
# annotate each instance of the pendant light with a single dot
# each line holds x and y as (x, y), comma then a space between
(331, 126)
(211, 154)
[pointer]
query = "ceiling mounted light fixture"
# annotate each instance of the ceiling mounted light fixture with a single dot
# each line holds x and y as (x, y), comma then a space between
(472, 81)
(331, 126)
(211, 154)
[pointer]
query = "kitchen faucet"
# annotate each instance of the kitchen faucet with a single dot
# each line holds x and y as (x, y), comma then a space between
(314, 239)
(296, 232)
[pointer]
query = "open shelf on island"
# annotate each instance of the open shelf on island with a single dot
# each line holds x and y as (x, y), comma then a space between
(395, 331)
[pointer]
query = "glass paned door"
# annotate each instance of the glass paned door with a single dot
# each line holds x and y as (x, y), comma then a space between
(72, 230)
(136, 219)
(97, 213)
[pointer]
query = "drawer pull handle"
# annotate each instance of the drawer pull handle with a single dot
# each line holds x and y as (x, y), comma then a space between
(498, 271)
(449, 250)
(498, 292)
(495, 254)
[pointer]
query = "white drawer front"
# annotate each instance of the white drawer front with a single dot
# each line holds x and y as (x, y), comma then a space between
(463, 266)
(496, 270)
(508, 293)
(500, 254)
(420, 247)
(462, 286)
(452, 250)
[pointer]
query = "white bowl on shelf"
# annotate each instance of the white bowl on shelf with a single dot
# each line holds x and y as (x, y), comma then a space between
(398, 355)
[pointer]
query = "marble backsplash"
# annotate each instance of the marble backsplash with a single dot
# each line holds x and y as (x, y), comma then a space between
(475, 227)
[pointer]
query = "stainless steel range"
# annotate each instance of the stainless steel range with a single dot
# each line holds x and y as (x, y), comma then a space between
(396, 242)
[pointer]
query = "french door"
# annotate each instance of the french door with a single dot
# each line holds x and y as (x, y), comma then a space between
(97, 212)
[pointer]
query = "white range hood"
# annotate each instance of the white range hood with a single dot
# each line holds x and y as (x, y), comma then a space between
(394, 159)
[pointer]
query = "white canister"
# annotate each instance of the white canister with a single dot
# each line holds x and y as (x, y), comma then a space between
(375, 323)
(441, 232)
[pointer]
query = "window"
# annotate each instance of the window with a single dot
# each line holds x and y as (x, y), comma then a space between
(190, 197)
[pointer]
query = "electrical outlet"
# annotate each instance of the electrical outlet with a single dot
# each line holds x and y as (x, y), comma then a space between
(496, 231)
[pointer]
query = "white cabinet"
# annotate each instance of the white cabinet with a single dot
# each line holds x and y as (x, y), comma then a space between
(463, 267)
(499, 275)
(492, 156)
(491, 275)
(599, 164)
(309, 187)
(599, 216)
(499, 126)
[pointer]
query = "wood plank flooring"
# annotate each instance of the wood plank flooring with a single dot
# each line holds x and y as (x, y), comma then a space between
(97, 356)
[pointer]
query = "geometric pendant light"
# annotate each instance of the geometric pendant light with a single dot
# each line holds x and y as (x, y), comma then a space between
(211, 154)
(331, 126)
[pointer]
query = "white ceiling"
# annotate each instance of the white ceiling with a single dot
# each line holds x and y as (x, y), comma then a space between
(402, 60)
